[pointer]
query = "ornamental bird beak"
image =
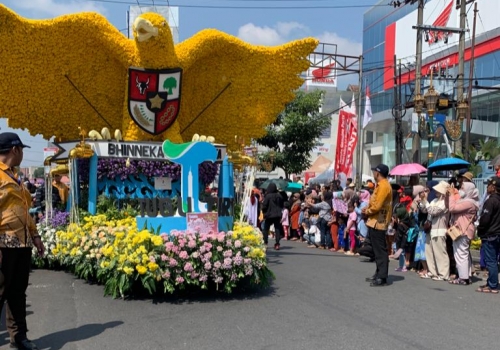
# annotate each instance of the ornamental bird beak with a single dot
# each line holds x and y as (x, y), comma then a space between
(144, 29)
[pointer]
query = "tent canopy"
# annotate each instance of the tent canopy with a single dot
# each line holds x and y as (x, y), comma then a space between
(320, 164)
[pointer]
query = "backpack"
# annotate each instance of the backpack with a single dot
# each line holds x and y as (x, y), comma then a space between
(412, 234)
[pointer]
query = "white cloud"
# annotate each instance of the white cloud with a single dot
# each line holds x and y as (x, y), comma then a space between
(282, 32)
(344, 46)
(53, 8)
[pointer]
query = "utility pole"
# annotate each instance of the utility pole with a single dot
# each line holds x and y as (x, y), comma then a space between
(461, 62)
(396, 113)
(416, 143)
(469, 91)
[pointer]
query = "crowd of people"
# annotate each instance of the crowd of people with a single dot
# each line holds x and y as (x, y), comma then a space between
(427, 228)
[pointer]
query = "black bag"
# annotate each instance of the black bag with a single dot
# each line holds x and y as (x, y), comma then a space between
(427, 226)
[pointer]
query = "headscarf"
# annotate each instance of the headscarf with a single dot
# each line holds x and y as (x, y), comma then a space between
(471, 193)
(272, 188)
(364, 196)
(327, 197)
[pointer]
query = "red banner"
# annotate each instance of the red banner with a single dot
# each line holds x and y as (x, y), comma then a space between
(347, 137)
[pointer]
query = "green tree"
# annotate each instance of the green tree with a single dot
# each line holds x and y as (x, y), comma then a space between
(295, 133)
(39, 172)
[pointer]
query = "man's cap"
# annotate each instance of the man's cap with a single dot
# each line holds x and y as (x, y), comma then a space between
(468, 175)
(9, 140)
(382, 169)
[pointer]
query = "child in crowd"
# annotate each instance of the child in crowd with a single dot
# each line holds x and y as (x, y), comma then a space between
(402, 222)
(285, 220)
(351, 229)
(312, 229)
(343, 241)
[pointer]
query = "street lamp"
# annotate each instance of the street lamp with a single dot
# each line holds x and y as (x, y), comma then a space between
(452, 128)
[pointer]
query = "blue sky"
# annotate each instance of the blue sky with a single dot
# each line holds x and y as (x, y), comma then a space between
(341, 26)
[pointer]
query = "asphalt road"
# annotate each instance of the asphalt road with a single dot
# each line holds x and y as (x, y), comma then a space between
(318, 301)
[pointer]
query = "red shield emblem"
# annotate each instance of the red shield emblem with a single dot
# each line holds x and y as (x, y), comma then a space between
(154, 98)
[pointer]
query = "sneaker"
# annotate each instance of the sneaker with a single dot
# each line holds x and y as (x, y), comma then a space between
(401, 269)
(24, 344)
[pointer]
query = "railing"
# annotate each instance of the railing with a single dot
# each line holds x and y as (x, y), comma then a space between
(481, 187)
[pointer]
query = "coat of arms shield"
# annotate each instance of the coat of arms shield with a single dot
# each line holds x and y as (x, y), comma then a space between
(154, 98)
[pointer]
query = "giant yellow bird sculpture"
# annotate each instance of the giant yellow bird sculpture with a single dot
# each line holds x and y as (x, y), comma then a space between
(80, 71)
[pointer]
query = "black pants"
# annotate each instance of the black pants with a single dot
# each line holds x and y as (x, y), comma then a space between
(278, 229)
(16, 270)
(377, 238)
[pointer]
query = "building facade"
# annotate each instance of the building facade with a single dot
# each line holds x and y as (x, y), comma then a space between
(389, 40)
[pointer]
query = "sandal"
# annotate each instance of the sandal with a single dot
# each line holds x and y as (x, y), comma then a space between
(486, 289)
(426, 276)
(459, 281)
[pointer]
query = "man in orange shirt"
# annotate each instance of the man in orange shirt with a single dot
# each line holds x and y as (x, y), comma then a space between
(18, 235)
(379, 215)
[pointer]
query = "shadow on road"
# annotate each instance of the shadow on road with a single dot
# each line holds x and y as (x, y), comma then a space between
(57, 340)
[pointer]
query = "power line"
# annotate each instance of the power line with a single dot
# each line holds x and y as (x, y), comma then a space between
(251, 7)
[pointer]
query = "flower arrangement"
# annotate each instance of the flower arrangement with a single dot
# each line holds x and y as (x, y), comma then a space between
(112, 168)
(54, 55)
(119, 255)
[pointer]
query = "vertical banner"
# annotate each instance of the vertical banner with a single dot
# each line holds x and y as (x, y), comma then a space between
(347, 138)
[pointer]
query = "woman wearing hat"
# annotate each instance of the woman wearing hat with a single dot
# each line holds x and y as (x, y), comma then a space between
(438, 262)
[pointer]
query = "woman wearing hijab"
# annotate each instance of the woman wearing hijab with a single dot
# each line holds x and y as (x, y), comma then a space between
(325, 216)
(438, 262)
(463, 206)
(272, 208)
(364, 199)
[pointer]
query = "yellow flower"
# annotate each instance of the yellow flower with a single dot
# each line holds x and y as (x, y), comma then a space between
(157, 240)
(152, 266)
(141, 269)
(128, 270)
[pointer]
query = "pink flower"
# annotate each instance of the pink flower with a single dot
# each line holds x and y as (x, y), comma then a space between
(202, 249)
(188, 267)
(234, 277)
(183, 255)
(203, 237)
(166, 275)
(207, 245)
(181, 243)
(238, 260)
(219, 248)
(175, 249)
(247, 261)
(207, 266)
(164, 236)
(208, 256)
(217, 265)
(169, 246)
(179, 280)
(249, 270)
(172, 262)
(228, 253)
(246, 249)
(218, 279)
(227, 263)
(195, 255)
(152, 259)
(192, 244)
(221, 237)
(194, 274)
(203, 278)
(164, 257)
(237, 244)
(229, 243)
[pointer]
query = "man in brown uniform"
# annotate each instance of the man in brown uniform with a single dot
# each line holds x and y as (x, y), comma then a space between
(18, 234)
(378, 213)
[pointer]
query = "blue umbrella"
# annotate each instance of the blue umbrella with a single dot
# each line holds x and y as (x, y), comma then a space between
(448, 164)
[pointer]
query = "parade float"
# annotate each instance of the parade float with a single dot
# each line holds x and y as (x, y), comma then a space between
(68, 77)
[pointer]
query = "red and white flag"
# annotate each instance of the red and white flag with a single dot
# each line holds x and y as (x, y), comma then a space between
(353, 105)
(367, 117)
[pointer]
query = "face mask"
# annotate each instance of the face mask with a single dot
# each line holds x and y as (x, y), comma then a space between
(461, 193)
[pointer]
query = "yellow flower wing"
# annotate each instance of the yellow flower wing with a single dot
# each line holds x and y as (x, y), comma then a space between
(262, 82)
(36, 55)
